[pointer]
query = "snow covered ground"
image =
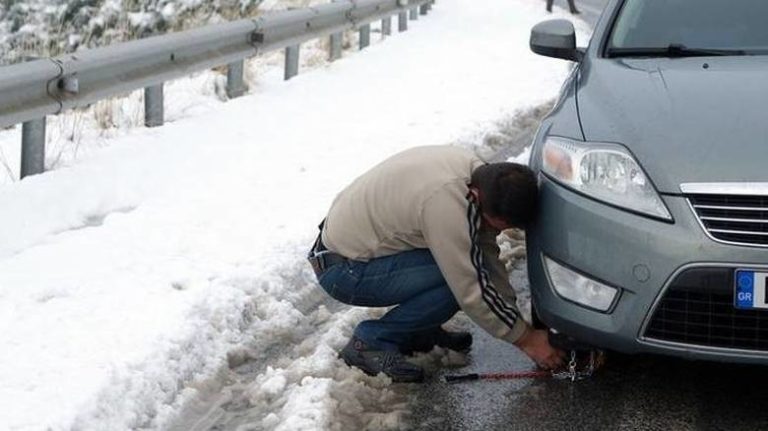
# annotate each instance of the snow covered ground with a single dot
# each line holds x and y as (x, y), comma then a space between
(137, 274)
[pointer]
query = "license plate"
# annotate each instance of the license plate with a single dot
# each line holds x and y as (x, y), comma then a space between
(751, 289)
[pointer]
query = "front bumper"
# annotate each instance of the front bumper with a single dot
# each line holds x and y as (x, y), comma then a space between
(638, 255)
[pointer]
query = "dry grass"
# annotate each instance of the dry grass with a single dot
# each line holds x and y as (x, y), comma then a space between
(104, 114)
(6, 167)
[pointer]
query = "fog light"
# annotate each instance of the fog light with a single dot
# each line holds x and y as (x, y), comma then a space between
(578, 288)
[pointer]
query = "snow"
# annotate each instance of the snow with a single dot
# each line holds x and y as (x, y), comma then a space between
(158, 259)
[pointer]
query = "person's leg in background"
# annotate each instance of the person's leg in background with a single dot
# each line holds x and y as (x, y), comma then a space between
(572, 7)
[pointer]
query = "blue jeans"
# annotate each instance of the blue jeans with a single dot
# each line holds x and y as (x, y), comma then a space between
(411, 280)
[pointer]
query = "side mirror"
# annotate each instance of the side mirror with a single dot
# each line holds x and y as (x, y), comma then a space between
(555, 38)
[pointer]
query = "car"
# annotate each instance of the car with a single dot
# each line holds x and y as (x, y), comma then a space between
(653, 172)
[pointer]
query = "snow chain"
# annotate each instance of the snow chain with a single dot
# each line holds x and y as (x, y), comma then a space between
(572, 372)
(596, 359)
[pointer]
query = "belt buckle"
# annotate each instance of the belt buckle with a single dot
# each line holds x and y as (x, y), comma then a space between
(315, 265)
(318, 262)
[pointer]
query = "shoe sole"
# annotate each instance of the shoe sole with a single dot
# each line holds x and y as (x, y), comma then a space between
(370, 372)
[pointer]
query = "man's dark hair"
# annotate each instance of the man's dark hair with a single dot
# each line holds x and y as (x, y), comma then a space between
(507, 190)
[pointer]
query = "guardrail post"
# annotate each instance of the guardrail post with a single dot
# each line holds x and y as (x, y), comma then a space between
(292, 61)
(415, 14)
(336, 41)
(33, 147)
(153, 106)
(386, 26)
(365, 36)
(235, 84)
(402, 21)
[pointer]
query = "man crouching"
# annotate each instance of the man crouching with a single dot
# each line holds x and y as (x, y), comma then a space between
(418, 232)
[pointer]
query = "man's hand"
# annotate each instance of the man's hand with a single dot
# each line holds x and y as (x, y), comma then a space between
(535, 344)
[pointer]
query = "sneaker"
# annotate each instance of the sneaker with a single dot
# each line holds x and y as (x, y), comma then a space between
(426, 341)
(357, 354)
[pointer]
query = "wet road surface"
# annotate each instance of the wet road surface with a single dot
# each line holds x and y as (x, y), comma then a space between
(628, 393)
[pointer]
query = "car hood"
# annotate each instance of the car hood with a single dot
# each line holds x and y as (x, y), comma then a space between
(686, 120)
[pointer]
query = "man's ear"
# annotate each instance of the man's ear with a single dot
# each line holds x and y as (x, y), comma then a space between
(475, 193)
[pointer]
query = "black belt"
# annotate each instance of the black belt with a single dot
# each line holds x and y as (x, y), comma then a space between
(321, 258)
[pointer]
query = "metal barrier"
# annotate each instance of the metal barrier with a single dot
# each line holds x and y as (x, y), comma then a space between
(33, 90)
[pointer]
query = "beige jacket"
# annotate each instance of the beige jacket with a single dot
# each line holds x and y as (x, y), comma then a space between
(420, 199)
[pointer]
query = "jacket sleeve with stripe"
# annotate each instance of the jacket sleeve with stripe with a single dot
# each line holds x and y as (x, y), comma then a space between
(468, 257)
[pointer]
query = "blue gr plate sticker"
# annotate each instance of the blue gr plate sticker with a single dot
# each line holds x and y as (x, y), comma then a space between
(751, 289)
(745, 289)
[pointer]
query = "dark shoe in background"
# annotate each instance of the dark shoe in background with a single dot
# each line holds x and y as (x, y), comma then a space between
(426, 341)
(457, 341)
(421, 342)
(357, 354)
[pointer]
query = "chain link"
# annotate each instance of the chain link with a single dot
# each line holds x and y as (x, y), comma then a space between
(573, 374)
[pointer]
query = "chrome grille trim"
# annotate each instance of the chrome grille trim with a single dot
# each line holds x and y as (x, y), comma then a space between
(731, 213)
(735, 220)
(738, 232)
(715, 207)
(738, 189)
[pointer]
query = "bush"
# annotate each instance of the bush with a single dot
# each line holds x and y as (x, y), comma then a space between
(43, 28)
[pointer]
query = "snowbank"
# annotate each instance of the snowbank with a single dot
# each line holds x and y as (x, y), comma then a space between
(142, 272)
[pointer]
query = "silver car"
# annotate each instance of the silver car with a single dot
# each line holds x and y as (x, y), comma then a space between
(653, 235)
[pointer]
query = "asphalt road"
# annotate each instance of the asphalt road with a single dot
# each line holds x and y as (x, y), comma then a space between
(628, 393)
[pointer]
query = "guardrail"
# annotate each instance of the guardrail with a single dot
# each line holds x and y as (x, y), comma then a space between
(33, 90)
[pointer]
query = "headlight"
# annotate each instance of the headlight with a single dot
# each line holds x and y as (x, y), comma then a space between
(606, 172)
(578, 288)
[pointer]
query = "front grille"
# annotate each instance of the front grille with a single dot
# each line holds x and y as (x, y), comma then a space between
(733, 218)
(698, 309)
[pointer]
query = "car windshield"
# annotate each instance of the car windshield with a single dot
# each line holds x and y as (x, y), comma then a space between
(690, 27)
